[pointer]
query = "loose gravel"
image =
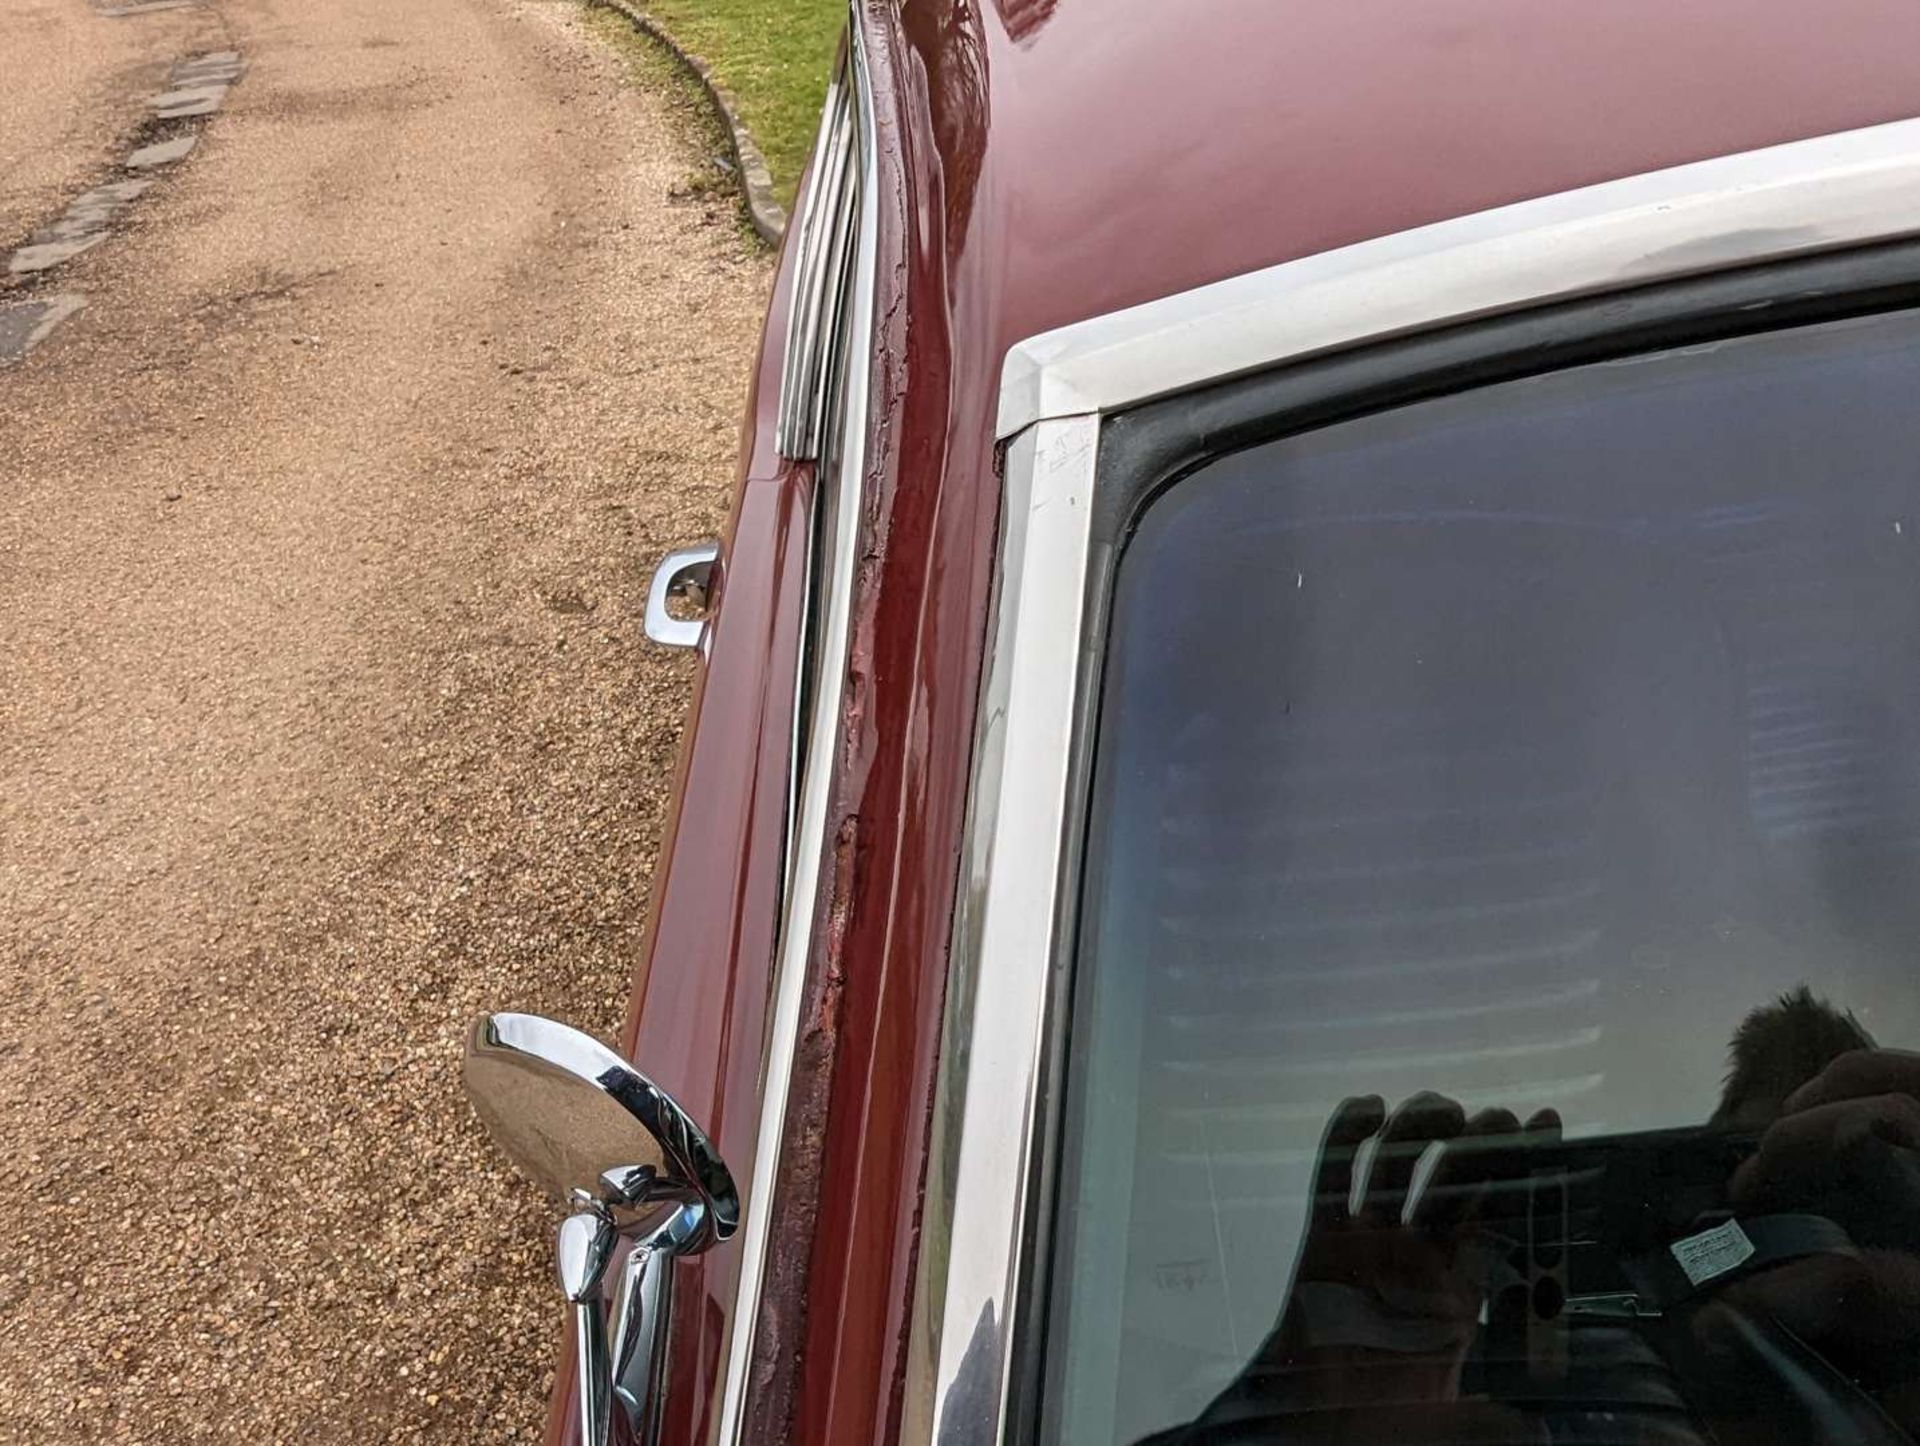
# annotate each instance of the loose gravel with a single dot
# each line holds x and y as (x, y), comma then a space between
(325, 718)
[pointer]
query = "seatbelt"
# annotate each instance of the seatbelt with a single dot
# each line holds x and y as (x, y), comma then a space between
(1737, 1246)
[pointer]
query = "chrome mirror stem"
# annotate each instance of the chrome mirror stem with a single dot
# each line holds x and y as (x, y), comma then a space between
(590, 1377)
(584, 1246)
(642, 1306)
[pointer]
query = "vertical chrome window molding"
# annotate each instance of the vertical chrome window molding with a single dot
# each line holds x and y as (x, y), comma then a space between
(1796, 199)
(833, 362)
(811, 420)
(823, 267)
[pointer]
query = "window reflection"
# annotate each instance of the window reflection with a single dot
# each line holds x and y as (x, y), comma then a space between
(1500, 923)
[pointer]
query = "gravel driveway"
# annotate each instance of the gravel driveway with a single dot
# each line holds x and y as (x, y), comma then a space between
(325, 719)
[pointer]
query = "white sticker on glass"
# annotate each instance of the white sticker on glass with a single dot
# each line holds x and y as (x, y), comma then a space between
(1713, 1252)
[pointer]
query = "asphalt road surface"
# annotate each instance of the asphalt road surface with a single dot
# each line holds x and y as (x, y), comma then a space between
(325, 718)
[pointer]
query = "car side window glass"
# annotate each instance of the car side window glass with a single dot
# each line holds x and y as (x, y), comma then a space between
(1499, 941)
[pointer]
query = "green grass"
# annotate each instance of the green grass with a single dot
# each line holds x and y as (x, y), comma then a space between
(775, 56)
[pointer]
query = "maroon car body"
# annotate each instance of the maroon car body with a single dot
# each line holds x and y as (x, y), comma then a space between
(1042, 162)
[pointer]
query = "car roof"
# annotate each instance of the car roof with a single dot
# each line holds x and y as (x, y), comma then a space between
(1095, 154)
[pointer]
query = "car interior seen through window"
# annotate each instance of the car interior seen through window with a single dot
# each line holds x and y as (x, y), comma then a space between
(1495, 963)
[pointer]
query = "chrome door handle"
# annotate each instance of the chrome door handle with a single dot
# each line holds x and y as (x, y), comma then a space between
(687, 576)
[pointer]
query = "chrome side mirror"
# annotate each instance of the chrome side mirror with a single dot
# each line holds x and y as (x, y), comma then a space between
(579, 1120)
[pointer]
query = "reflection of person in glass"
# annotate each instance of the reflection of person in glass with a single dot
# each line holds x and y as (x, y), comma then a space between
(1476, 1278)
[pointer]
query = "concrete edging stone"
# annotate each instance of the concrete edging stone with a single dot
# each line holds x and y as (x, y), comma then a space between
(769, 217)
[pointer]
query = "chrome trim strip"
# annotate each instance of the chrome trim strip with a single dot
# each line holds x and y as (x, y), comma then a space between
(803, 307)
(1785, 200)
(840, 501)
(1855, 188)
(820, 279)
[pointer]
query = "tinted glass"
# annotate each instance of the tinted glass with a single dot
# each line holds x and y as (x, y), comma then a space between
(1501, 922)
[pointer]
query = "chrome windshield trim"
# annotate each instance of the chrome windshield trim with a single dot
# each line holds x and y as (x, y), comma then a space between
(1765, 205)
(840, 525)
(1791, 200)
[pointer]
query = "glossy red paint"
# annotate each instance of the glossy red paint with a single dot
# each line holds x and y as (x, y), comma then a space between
(1043, 162)
(1129, 156)
(696, 1019)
